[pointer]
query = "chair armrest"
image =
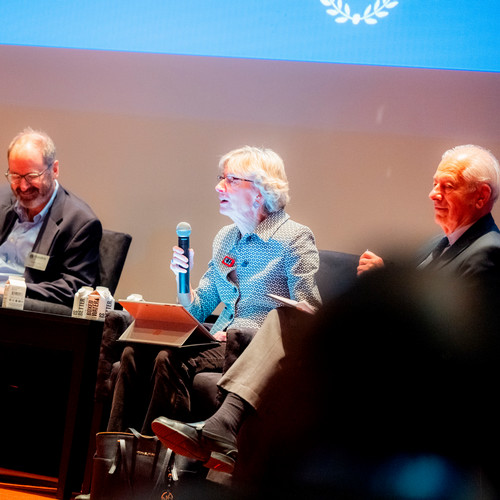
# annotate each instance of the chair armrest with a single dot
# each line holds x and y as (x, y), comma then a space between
(44, 307)
(115, 323)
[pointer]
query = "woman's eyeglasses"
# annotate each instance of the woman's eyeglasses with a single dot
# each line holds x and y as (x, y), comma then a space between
(231, 179)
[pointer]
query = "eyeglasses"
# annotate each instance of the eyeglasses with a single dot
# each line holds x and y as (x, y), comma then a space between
(231, 179)
(30, 178)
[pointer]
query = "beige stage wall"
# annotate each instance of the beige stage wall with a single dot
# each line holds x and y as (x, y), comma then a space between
(139, 137)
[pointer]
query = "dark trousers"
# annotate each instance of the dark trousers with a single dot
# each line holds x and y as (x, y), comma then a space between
(152, 383)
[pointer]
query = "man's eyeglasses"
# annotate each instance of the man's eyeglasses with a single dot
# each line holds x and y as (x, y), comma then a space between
(30, 178)
(231, 179)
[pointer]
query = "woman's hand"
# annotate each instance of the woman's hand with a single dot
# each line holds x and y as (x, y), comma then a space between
(180, 262)
(220, 336)
(179, 265)
(369, 261)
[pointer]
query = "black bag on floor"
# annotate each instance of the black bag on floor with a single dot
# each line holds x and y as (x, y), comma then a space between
(130, 466)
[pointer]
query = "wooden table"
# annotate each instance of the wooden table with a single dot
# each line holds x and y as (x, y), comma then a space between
(48, 367)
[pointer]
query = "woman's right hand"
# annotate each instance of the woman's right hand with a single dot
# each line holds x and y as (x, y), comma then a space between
(180, 262)
(220, 336)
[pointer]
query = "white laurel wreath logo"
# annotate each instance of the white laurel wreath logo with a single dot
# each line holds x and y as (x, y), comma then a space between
(342, 11)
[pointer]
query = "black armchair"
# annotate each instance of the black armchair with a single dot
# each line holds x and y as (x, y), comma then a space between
(337, 272)
(113, 251)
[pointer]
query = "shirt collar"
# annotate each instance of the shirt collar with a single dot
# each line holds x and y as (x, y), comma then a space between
(453, 237)
(21, 211)
(270, 224)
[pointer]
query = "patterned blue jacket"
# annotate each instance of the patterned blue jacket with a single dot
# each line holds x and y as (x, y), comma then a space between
(280, 257)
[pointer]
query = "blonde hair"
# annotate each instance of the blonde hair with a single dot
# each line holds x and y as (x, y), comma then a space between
(265, 168)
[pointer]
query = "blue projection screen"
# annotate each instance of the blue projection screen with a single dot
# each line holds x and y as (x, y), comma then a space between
(444, 34)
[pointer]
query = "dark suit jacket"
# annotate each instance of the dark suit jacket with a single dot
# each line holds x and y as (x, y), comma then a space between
(475, 254)
(70, 236)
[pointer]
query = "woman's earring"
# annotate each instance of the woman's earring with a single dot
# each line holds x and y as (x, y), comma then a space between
(255, 204)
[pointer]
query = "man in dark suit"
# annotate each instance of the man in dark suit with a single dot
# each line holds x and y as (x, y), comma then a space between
(47, 234)
(466, 186)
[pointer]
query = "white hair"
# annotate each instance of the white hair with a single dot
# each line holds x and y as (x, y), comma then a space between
(267, 171)
(477, 165)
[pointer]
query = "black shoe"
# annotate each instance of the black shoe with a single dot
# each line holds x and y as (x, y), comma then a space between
(189, 440)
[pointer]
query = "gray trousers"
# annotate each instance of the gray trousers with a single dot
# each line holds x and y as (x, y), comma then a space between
(278, 339)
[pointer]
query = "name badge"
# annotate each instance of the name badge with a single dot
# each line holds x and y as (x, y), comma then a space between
(37, 261)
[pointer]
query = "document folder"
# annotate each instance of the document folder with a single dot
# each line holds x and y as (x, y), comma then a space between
(164, 324)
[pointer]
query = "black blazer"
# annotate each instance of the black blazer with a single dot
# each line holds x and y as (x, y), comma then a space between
(475, 254)
(70, 236)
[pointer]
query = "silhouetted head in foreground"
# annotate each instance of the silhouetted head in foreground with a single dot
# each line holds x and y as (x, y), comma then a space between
(391, 394)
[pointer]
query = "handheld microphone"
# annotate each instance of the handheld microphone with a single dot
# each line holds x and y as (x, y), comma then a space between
(183, 231)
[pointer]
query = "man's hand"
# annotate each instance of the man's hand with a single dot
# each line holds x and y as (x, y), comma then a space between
(369, 261)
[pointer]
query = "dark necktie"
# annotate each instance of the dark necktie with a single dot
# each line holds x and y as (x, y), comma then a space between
(430, 260)
(443, 243)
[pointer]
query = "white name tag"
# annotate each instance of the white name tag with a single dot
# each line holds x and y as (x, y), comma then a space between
(37, 261)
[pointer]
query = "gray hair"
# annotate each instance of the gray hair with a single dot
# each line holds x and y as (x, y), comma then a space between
(477, 165)
(39, 138)
(267, 171)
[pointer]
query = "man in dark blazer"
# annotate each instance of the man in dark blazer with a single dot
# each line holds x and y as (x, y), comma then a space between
(466, 186)
(47, 234)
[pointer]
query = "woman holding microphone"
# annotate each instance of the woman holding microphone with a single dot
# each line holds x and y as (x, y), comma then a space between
(262, 252)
